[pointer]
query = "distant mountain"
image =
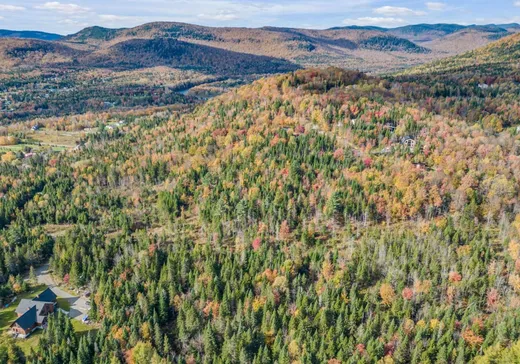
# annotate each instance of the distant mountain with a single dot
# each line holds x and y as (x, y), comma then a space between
(360, 27)
(24, 34)
(33, 52)
(422, 33)
(359, 48)
(140, 53)
(511, 27)
(370, 49)
(288, 42)
(494, 59)
(94, 34)
(143, 53)
(425, 32)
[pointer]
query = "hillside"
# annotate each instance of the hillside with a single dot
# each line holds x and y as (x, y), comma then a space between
(99, 68)
(35, 53)
(142, 53)
(317, 216)
(59, 78)
(436, 34)
(139, 53)
(425, 32)
(369, 49)
(496, 59)
(29, 34)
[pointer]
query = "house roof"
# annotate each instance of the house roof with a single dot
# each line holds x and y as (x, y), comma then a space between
(26, 305)
(27, 320)
(46, 296)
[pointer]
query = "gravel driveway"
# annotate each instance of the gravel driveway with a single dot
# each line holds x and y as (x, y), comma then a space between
(78, 305)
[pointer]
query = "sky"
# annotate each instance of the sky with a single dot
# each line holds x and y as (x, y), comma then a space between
(70, 16)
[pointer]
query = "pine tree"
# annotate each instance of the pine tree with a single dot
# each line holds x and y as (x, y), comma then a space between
(32, 275)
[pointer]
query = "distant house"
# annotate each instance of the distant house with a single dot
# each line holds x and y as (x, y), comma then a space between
(409, 142)
(35, 127)
(32, 314)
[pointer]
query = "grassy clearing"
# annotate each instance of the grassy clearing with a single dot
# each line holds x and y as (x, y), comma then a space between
(19, 147)
(82, 329)
(46, 139)
(63, 303)
(30, 343)
(8, 315)
(34, 147)
(66, 139)
(57, 230)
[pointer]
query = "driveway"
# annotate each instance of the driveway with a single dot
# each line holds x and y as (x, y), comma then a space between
(78, 305)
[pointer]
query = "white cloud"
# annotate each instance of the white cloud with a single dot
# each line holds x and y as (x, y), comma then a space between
(220, 16)
(517, 3)
(5, 7)
(398, 11)
(375, 21)
(72, 22)
(436, 6)
(120, 21)
(63, 8)
(111, 17)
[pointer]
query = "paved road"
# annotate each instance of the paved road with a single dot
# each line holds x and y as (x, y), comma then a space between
(78, 305)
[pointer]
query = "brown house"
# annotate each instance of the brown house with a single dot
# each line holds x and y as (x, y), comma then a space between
(32, 314)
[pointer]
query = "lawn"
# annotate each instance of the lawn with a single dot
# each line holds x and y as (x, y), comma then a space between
(19, 147)
(34, 147)
(82, 329)
(30, 342)
(57, 138)
(63, 303)
(8, 315)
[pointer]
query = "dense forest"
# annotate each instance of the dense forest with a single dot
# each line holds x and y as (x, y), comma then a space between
(320, 216)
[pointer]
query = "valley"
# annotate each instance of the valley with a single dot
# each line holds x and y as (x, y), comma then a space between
(268, 195)
(98, 69)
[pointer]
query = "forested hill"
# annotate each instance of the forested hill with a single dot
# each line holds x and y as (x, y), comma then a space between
(317, 216)
(28, 34)
(498, 58)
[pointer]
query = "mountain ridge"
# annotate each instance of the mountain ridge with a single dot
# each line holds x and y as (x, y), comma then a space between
(29, 34)
(495, 58)
(369, 49)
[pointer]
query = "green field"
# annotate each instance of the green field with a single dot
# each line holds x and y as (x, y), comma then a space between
(64, 304)
(31, 342)
(34, 147)
(82, 329)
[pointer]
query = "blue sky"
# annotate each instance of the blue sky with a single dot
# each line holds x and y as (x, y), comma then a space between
(69, 16)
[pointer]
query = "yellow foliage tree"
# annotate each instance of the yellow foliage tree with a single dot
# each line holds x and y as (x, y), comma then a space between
(387, 293)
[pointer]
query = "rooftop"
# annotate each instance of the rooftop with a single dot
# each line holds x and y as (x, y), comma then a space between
(27, 320)
(46, 296)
